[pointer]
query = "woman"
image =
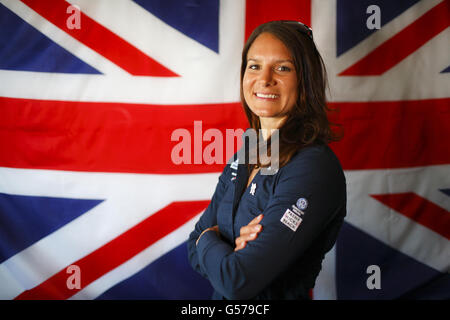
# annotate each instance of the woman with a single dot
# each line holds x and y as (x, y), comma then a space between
(265, 236)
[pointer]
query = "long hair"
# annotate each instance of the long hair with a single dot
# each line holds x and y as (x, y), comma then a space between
(307, 122)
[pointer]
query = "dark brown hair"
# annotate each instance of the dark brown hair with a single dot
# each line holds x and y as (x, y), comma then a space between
(307, 122)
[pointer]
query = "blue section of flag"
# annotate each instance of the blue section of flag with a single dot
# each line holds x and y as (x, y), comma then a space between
(198, 19)
(436, 289)
(445, 191)
(169, 277)
(400, 274)
(25, 220)
(25, 48)
(446, 70)
(351, 19)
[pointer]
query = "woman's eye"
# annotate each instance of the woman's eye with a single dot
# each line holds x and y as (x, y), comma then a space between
(283, 68)
(253, 67)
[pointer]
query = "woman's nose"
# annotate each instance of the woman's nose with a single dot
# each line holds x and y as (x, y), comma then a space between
(266, 77)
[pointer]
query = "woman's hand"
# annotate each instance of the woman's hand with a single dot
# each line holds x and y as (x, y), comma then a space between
(248, 233)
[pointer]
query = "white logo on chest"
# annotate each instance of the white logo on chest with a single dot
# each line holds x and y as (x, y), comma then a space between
(252, 189)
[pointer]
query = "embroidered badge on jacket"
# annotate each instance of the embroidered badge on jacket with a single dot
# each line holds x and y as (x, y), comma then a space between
(302, 203)
(253, 189)
(291, 220)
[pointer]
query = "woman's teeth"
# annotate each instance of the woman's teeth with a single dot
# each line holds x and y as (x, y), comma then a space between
(266, 96)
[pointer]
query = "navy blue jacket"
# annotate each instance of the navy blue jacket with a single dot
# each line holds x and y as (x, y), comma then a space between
(304, 205)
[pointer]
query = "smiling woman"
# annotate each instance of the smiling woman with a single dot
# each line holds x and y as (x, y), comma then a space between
(286, 53)
(270, 81)
(265, 236)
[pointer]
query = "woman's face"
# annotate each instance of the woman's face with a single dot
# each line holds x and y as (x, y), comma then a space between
(270, 79)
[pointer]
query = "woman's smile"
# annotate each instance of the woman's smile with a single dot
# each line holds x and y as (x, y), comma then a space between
(267, 96)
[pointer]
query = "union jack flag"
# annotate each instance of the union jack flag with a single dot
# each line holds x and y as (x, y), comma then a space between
(91, 91)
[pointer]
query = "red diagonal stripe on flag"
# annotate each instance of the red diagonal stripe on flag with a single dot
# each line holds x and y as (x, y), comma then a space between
(397, 48)
(418, 209)
(101, 40)
(118, 251)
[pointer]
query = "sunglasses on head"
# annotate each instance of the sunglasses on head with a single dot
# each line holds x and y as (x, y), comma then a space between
(303, 27)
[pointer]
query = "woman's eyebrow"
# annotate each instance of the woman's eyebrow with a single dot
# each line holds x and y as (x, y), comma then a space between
(277, 61)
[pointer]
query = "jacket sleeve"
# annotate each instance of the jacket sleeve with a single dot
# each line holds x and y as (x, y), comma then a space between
(245, 273)
(208, 219)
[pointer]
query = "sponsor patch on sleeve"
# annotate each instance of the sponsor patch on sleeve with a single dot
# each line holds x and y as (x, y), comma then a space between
(291, 220)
